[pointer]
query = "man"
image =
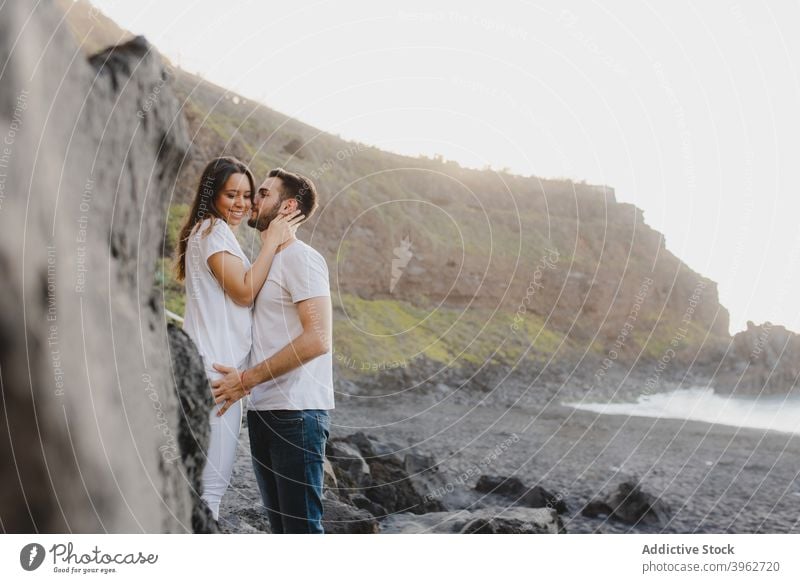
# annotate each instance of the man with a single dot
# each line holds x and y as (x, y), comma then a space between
(290, 380)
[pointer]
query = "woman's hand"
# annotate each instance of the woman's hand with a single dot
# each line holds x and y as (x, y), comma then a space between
(281, 229)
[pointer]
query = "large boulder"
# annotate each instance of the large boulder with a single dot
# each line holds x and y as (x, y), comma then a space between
(397, 491)
(371, 447)
(366, 468)
(350, 469)
(362, 502)
(425, 478)
(518, 494)
(341, 518)
(629, 504)
(89, 154)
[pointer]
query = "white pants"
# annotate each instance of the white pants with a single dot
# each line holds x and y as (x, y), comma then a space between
(221, 451)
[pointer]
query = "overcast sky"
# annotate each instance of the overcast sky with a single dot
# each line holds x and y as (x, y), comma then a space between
(688, 109)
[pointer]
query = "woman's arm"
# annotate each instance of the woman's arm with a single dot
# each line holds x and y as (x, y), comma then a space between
(243, 285)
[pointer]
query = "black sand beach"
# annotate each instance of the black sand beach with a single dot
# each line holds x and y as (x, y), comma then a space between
(714, 478)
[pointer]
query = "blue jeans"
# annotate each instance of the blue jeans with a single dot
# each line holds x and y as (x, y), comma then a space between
(288, 452)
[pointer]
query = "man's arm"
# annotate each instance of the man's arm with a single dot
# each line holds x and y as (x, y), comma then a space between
(315, 316)
(315, 340)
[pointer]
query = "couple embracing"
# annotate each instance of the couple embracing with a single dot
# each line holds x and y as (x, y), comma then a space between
(264, 332)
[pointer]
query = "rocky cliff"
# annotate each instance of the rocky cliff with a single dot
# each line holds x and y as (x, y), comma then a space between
(91, 438)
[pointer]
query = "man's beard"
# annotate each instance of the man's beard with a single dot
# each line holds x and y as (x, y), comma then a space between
(262, 221)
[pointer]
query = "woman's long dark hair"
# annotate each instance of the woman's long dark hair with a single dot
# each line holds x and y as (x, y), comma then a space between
(214, 178)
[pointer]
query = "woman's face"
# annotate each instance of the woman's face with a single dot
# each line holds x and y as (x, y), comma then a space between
(235, 199)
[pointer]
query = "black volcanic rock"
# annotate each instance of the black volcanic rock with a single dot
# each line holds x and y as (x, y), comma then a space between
(513, 489)
(366, 468)
(629, 504)
(362, 502)
(350, 469)
(342, 518)
(191, 383)
(371, 447)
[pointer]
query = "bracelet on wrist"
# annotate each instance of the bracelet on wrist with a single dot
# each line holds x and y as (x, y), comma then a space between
(241, 378)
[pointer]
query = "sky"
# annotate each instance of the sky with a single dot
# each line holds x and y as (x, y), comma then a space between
(689, 110)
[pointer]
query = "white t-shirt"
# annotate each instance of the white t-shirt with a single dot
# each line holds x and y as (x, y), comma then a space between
(298, 273)
(221, 329)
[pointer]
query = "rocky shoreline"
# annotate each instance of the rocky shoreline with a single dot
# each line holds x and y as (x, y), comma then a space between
(414, 466)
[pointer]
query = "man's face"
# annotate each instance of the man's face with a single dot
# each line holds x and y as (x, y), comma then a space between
(267, 204)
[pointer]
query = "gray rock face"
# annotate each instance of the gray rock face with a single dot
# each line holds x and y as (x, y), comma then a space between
(89, 152)
(491, 520)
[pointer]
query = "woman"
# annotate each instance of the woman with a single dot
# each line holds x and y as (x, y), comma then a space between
(221, 285)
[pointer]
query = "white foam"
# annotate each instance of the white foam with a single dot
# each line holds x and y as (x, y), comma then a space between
(777, 413)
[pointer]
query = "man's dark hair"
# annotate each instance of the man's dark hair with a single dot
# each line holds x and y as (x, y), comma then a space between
(299, 188)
